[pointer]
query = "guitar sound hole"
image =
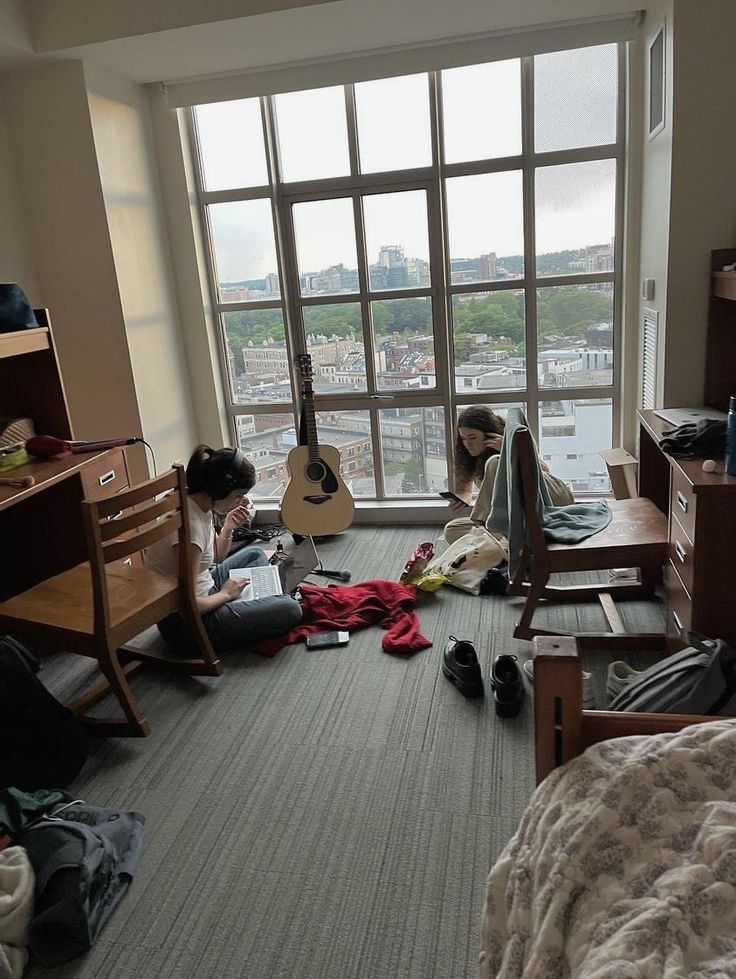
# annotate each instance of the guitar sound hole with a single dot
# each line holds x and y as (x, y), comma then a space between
(315, 472)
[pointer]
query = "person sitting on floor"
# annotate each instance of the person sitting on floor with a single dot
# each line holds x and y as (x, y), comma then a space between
(217, 481)
(477, 445)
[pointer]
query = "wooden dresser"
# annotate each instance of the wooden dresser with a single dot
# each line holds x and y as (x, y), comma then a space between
(41, 531)
(702, 531)
(699, 584)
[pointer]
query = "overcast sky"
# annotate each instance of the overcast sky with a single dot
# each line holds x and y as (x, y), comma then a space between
(575, 105)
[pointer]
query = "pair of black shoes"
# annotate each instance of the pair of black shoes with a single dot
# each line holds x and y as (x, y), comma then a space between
(461, 667)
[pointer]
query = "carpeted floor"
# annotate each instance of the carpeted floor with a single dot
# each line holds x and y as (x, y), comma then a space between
(327, 813)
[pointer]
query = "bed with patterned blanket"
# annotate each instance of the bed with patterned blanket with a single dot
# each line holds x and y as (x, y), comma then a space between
(623, 866)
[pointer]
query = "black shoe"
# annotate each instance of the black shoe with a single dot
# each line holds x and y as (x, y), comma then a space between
(461, 667)
(495, 582)
(506, 685)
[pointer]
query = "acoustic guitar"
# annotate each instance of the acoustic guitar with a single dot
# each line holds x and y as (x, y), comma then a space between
(316, 500)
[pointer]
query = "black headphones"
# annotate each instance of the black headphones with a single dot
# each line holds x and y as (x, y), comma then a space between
(227, 481)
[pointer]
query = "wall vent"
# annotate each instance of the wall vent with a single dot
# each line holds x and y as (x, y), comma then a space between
(650, 332)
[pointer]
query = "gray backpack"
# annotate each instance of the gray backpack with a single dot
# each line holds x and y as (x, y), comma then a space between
(700, 679)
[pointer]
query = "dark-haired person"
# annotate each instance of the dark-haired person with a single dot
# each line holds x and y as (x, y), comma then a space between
(217, 481)
(477, 446)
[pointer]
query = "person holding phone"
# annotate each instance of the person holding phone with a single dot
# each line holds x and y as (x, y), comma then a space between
(217, 482)
(478, 443)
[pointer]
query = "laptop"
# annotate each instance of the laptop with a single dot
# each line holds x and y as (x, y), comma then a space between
(284, 577)
(679, 416)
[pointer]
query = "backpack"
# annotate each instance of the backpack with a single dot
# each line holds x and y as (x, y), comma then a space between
(42, 742)
(700, 679)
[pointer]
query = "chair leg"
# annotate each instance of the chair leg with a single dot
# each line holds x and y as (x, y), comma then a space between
(534, 593)
(134, 725)
(210, 664)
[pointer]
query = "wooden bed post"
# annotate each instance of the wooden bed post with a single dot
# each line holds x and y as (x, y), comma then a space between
(558, 702)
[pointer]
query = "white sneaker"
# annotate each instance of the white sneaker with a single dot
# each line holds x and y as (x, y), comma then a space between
(588, 691)
(619, 675)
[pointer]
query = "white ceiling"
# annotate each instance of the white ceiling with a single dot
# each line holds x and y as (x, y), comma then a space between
(318, 30)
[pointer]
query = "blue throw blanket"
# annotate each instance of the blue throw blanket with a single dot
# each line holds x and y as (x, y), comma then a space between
(563, 524)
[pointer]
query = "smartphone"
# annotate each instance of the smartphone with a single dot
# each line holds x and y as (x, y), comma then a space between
(321, 640)
(447, 495)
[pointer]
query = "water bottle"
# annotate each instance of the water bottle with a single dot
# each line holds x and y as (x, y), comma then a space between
(731, 438)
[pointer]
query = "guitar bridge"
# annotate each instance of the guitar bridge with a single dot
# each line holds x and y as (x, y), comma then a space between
(317, 499)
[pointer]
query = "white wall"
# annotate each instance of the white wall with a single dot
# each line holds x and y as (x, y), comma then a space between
(703, 189)
(16, 258)
(656, 171)
(150, 306)
(50, 137)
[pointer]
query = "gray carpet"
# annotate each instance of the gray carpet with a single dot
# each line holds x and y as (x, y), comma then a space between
(327, 813)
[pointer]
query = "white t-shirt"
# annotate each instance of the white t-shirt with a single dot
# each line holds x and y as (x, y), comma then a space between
(162, 557)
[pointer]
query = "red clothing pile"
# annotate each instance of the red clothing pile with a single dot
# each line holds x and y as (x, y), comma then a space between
(354, 607)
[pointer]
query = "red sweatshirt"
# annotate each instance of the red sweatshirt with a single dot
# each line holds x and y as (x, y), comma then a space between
(354, 607)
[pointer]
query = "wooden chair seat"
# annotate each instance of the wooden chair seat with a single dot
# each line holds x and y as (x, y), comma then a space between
(636, 528)
(66, 601)
(97, 607)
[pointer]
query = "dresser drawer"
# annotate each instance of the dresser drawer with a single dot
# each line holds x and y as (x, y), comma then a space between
(105, 476)
(679, 605)
(682, 554)
(682, 502)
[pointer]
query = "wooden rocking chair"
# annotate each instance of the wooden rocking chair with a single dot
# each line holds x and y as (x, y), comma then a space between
(96, 607)
(635, 538)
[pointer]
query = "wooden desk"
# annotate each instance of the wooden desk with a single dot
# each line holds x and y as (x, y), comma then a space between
(702, 528)
(41, 530)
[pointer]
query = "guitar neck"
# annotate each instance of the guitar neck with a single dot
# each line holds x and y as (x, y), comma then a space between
(310, 421)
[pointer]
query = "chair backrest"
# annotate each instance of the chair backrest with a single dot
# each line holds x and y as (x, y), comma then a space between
(526, 466)
(122, 525)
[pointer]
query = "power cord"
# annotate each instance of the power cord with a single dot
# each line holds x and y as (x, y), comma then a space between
(153, 456)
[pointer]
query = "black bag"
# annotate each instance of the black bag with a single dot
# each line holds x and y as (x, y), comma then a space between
(41, 741)
(16, 313)
(700, 679)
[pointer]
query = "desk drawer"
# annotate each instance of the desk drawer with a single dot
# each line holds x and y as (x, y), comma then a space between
(682, 502)
(106, 476)
(682, 554)
(679, 605)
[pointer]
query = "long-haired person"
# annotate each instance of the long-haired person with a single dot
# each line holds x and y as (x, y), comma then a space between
(477, 446)
(217, 482)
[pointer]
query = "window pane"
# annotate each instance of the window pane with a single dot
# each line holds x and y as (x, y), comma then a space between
(482, 111)
(266, 440)
(575, 94)
(245, 250)
(486, 227)
(231, 144)
(335, 342)
(489, 341)
(403, 343)
(575, 331)
(397, 240)
(393, 123)
(413, 450)
(313, 135)
(350, 433)
(258, 361)
(572, 435)
(575, 217)
(325, 245)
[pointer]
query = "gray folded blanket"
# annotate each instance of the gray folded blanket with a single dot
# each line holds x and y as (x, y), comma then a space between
(563, 524)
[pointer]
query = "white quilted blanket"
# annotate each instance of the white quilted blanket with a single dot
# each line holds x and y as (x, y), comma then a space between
(624, 865)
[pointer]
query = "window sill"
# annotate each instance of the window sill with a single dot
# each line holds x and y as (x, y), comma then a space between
(377, 512)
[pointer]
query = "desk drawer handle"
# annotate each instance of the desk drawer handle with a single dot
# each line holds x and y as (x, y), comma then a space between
(682, 501)
(107, 477)
(678, 624)
(115, 516)
(680, 551)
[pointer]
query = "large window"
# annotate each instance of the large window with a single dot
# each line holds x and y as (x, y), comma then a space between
(432, 241)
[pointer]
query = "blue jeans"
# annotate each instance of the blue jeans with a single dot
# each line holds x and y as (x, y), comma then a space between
(237, 624)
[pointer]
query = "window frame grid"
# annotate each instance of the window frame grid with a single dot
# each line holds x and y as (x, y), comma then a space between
(432, 179)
